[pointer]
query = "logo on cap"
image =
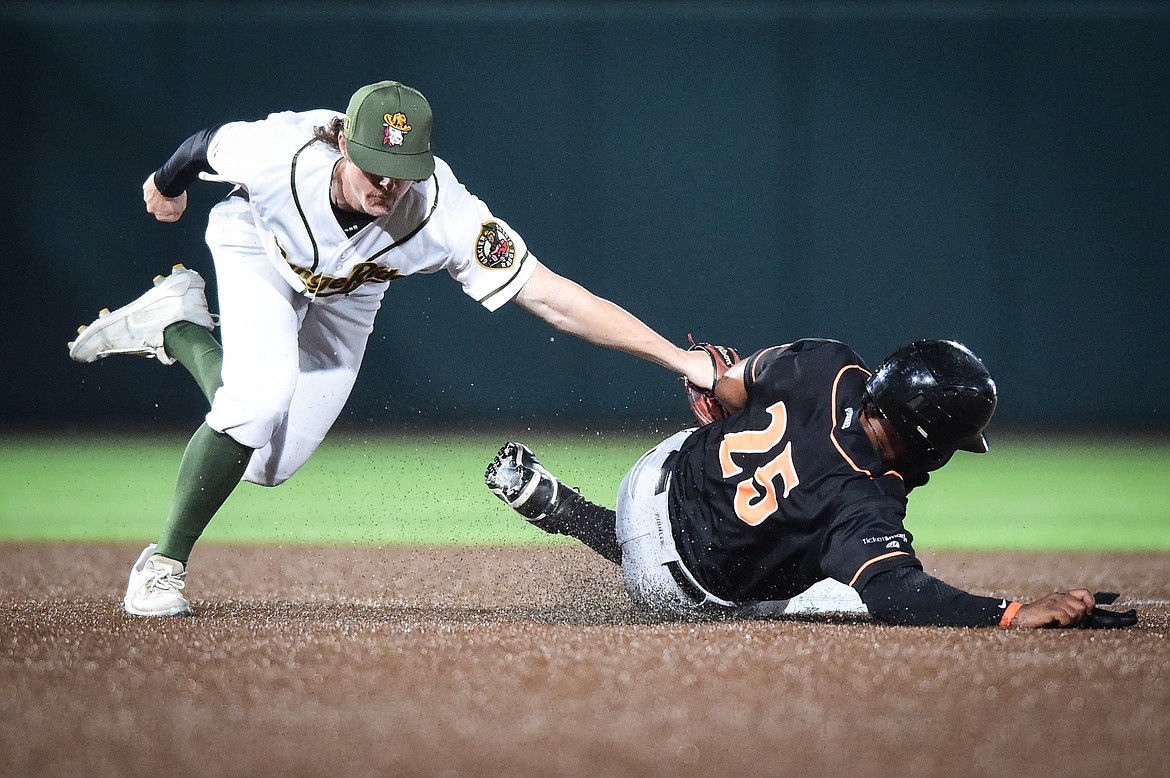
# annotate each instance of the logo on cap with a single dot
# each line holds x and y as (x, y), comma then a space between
(493, 247)
(396, 129)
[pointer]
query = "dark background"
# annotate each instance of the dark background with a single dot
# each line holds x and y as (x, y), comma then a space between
(749, 172)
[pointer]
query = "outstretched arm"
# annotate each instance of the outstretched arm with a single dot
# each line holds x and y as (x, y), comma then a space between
(571, 308)
(907, 595)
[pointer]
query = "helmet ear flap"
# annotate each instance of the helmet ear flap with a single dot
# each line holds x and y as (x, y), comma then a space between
(915, 451)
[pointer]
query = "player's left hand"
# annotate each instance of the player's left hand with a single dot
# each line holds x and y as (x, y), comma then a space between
(1059, 609)
(696, 370)
(1076, 608)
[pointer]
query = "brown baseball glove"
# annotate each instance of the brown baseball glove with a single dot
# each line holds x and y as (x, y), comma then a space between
(704, 405)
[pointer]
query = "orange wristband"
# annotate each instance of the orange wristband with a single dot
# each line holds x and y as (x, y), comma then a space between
(1009, 613)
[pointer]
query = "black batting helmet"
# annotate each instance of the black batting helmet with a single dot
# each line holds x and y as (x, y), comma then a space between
(938, 397)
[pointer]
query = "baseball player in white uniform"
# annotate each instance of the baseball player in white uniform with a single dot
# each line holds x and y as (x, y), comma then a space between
(326, 211)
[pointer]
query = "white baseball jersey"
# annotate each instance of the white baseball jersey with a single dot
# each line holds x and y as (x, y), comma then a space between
(298, 297)
(438, 225)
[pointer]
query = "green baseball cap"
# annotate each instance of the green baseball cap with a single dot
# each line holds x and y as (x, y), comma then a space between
(388, 131)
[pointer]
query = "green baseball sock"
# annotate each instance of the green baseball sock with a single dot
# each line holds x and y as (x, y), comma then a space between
(196, 349)
(212, 466)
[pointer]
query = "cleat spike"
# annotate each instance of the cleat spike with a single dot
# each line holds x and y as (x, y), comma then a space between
(177, 266)
(81, 329)
(103, 312)
(69, 345)
(157, 280)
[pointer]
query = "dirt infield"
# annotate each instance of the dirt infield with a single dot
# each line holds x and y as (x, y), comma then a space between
(527, 662)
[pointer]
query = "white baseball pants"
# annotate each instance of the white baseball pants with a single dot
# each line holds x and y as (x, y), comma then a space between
(289, 362)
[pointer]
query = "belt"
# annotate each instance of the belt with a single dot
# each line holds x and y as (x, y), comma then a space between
(664, 475)
(697, 595)
(676, 570)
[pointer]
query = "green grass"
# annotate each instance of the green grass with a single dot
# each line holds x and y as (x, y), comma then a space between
(1083, 495)
(423, 488)
(377, 489)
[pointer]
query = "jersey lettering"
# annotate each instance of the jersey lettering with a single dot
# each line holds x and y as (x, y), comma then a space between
(756, 496)
(322, 285)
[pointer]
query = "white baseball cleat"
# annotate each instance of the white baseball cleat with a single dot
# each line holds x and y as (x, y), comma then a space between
(156, 586)
(137, 328)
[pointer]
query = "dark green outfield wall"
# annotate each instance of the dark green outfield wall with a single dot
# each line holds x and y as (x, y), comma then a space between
(750, 172)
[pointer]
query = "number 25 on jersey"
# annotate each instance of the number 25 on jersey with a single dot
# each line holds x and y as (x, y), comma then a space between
(755, 496)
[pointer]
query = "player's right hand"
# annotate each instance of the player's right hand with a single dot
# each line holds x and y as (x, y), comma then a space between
(163, 208)
(1059, 609)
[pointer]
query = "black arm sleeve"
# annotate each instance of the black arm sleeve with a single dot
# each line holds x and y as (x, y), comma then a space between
(908, 596)
(185, 165)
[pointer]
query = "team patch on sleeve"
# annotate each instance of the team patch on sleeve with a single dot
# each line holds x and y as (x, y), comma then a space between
(494, 248)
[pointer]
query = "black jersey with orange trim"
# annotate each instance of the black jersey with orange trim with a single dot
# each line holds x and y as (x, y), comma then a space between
(789, 490)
